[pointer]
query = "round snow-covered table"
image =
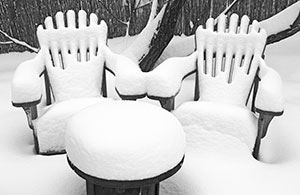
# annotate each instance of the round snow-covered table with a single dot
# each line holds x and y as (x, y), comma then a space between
(124, 147)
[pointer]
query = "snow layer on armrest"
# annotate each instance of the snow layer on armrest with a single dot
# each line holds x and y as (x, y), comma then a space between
(26, 83)
(140, 46)
(269, 95)
(165, 80)
(130, 80)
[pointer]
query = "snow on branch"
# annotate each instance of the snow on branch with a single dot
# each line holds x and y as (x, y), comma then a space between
(163, 36)
(226, 10)
(14, 40)
(6, 43)
(141, 45)
(153, 11)
(112, 14)
(282, 25)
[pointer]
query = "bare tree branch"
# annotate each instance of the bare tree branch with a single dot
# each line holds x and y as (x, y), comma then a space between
(112, 14)
(216, 20)
(294, 28)
(153, 11)
(226, 10)
(164, 35)
(14, 40)
(6, 43)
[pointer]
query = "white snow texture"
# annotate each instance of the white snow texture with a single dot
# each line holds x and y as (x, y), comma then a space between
(222, 164)
(115, 140)
(227, 61)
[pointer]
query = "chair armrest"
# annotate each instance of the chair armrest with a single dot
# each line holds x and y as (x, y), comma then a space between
(130, 82)
(165, 80)
(26, 84)
(269, 99)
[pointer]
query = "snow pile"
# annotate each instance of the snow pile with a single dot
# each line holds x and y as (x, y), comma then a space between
(140, 46)
(60, 49)
(26, 83)
(51, 124)
(220, 129)
(213, 167)
(78, 79)
(270, 93)
(129, 79)
(115, 140)
(223, 80)
(166, 79)
(226, 119)
(281, 21)
(75, 78)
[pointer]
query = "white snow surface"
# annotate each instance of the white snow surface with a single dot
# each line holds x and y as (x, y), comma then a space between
(282, 20)
(230, 170)
(227, 119)
(162, 84)
(26, 83)
(130, 80)
(221, 81)
(270, 93)
(115, 140)
(52, 121)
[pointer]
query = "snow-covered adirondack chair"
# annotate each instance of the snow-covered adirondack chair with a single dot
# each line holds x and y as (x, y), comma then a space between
(236, 93)
(72, 58)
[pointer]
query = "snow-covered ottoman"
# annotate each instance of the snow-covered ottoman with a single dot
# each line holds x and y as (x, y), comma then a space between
(124, 147)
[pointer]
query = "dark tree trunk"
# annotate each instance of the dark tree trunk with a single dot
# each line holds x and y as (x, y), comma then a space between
(295, 27)
(164, 35)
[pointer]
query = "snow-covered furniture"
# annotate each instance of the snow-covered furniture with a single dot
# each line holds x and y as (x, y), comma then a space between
(72, 59)
(236, 93)
(130, 150)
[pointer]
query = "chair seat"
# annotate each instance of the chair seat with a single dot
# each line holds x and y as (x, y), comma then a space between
(51, 125)
(203, 116)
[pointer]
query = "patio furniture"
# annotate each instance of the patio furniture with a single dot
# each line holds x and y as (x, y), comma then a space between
(236, 93)
(72, 60)
(124, 147)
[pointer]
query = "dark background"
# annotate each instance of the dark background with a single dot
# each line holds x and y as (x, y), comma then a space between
(20, 18)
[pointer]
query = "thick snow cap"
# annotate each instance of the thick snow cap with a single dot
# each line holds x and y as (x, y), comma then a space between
(73, 54)
(124, 140)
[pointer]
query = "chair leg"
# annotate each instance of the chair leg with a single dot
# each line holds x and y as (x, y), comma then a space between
(90, 188)
(168, 103)
(263, 124)
(256, 146)
(36, 142)
(157, 189)
(94, 189)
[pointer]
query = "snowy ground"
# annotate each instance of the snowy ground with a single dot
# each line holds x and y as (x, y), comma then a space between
(23, 172)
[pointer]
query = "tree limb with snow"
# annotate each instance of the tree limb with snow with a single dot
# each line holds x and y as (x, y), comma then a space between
(279, 27)
(282, 25)
(165, 33)
(14, 40)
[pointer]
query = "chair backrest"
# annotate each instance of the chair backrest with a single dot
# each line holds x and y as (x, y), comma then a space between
(228, 58)
(71, 46)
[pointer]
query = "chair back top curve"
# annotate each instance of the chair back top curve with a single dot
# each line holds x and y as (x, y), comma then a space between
(228, 58)
(71, 45)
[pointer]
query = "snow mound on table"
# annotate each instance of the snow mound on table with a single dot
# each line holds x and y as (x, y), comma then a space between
(124, 140)
(51, 125)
